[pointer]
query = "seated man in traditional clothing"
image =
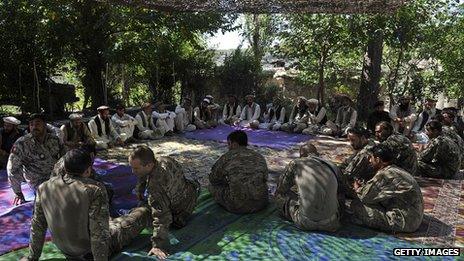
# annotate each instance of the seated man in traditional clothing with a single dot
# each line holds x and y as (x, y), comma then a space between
(231, 112)
(164, 119)
(78, 216)
(102, 129)
(346, 118)
(390, 201)
(429, 112)
(298, 118)
(441, 157)
(214, 108)
(146, 128)
(274, 116)
(378, 115)
(250, 114)
(406, 156)
(184, 116)
(124, 124)
(75, 133)
(8, 136)
(203, 116)
(403, 116)
(317, 117)
(171, 196)
(307, 192)
(239, 178)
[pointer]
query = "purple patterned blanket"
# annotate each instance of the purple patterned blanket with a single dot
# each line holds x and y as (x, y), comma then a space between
(262, 138)
(15, 222)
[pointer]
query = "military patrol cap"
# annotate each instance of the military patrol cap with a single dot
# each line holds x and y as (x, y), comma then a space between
(39, 116)
(11, 120)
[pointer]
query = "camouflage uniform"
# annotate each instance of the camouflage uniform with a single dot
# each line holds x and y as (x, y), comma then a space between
(33, 161)
(314, 206)
(171, 197)
(454, 136)
(357, 166)
(80, 227)
(440, 159)
(390, 201)
(407, 156)
(239, 181)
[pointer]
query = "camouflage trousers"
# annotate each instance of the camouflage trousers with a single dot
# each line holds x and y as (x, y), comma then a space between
(376, 216)
(181, 214)
(125, 228)
(431, 171)
(290, 210)
(224, 197)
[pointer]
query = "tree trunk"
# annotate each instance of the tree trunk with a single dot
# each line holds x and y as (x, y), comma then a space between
(370, 77)
(321, 86)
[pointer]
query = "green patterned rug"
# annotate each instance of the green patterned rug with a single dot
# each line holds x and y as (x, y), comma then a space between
(214, 234)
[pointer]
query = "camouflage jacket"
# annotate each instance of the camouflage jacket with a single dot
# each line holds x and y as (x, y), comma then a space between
(358, 166)
(32, 159)
(168, 193)
(395, 190)
(243, 172)
(454, 136)
(443, 153)
(406, 154)
(78, 226)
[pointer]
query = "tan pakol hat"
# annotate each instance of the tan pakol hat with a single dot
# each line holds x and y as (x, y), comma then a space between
(102, 108)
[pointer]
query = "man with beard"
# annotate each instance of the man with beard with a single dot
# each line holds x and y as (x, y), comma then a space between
(357, 166)
(102, 129)
(392, 200)
(298, 117)
(441, 157)
(250, 114)
(346, 117)
(378, 115)
(8, 136)
(405, 154)
(124, 124)
(316, 119)
(146, 128)
(184, 116)
(164, 118)
(75, 133)
(452, 121)
(274, 116)
(33, 157)
(231, 112)
(203, 116)
(429, 112)
(403, 116)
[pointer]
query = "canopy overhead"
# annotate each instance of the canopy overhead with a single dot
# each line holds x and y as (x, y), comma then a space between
(270, 6)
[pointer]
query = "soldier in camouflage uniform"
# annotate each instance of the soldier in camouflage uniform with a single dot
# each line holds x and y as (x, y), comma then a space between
(391, 200)
(239, 178)
(440, 158)
(400, 145)
(81, 227)
(314, 205)
(171, 196)
(356, 167)
(33, 157)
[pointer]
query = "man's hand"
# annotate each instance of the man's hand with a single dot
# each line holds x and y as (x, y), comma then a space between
(19, 200)
(356, 184)
(158, 253)
(24, 258)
